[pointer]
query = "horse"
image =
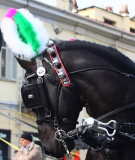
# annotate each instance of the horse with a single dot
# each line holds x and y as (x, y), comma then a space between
(98, 77)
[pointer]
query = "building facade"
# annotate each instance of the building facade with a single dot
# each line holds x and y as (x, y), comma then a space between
(61, 24)
(120, 21)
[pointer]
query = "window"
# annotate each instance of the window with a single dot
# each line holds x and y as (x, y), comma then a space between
(132, 30)
(108, 21)
(8, 64)
(3, 60)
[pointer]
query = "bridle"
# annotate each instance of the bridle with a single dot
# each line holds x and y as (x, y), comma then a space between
(31, 91)
(57, 64)
(34, 95)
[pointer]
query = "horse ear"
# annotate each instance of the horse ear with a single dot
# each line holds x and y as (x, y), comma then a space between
(27, 65)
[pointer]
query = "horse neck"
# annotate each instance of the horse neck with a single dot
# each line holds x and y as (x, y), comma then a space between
(102, 90)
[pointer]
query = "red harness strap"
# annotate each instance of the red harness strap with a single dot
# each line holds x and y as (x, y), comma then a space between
(59, 67)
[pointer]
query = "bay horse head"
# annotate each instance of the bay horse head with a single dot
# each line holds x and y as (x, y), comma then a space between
(56, 107)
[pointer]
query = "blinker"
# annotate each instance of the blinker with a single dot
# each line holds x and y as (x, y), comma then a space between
(31, 95)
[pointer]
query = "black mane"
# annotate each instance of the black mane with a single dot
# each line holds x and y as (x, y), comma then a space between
(109, 53)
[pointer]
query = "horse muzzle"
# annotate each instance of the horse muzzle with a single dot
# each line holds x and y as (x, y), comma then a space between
(59, 149)
(51, 142)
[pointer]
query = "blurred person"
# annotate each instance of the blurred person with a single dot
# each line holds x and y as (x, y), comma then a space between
(29, 150)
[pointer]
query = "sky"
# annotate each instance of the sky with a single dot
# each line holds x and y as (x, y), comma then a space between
(116, 4)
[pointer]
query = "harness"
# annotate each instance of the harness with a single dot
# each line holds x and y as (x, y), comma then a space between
(35, 97)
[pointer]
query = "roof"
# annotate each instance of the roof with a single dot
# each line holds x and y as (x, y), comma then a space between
(101, 9)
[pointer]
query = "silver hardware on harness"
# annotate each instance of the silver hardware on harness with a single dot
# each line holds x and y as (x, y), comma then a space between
(30, 96)
(50, 43)
(61, 75)
(50, 50)
(99, 126)
(59, 134)
(41, 71)
(39, 80)
(55, 62)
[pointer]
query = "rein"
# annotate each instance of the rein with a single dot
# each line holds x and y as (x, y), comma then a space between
(102, 68)
(124, 108)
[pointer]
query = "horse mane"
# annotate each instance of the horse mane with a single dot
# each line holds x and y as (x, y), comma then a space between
(109, 53)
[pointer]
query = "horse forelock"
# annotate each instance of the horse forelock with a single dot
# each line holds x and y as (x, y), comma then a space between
(111, 54)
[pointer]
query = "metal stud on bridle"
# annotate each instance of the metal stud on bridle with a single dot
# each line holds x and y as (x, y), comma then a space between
(57, 64)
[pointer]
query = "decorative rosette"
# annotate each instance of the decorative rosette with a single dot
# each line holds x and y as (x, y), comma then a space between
(23, 33)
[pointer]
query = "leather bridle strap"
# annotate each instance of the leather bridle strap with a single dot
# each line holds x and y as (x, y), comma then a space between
(102, 68)
(57, 104)
(118, 110)
(41, 90)
(124, 108)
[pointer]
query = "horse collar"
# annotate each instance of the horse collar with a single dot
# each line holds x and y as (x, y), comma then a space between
(57, 64)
